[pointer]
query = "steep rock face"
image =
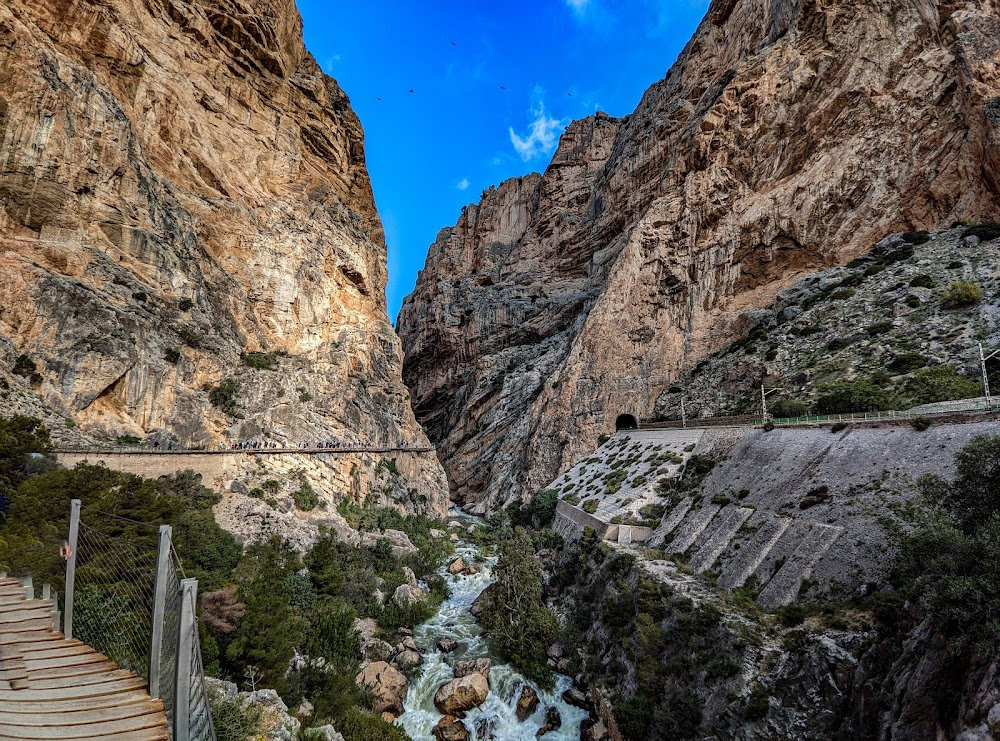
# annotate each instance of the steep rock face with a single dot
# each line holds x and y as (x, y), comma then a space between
(788, 136)
(179, 184)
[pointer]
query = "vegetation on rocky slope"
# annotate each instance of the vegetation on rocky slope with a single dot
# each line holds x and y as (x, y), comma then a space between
(258, 607)
(894, 329)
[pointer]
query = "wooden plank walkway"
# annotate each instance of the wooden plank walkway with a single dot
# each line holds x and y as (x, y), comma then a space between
(52, 687)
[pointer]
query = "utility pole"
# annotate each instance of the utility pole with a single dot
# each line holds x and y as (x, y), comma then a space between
(763, 400)
(986, 380)
(683, 415)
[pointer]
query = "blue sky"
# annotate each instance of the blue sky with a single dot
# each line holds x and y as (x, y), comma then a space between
(494, 84)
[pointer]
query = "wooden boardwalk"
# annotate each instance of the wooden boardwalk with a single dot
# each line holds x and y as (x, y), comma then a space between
(53, 688)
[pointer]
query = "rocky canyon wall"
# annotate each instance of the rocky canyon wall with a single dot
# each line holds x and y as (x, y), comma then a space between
(788, 136)
(180, 184)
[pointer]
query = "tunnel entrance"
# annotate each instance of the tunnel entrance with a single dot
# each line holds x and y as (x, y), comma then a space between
(626, 422)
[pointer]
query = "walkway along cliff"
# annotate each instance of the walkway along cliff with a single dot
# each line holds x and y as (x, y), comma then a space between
(789, 136)
(189, 242)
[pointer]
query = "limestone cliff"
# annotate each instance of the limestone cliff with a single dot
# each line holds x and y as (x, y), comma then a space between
(789, 136)
(180, 184)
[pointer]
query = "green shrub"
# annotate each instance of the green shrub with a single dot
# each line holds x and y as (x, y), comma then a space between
(920, 237)
(961, 295)
(912, 301)
(852, 396)
(305, 396)
(571, 499)
(601, 439)
(791, 615)
(190, 336)
(782, 408)
(939, 383)
(838, 427)
(305, 498)
(768, 426)
(920, 423)
(24, 366)
(906, 362)
(922, 281)
(185, 304)
(837, 343)
(955, 265)
(986, 231)
(721, 499)
(815, 496)
(879, 328)
(590, 506)
(235, 719)
(260, 360)
(224, 395)
(127, 440)
(172, 355)
(843, 293)
(653, 511)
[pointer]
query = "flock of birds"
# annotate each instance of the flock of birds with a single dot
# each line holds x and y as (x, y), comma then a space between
(501, 87)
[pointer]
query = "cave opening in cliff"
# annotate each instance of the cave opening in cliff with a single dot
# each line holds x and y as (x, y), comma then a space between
(626, 422)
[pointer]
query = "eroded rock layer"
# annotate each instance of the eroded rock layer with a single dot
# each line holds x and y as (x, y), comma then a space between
(181, 184)
(787, 137)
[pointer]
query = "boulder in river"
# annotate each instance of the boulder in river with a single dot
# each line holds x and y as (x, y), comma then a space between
(388, 687)
(450, 728)
(406, 660)
(526, 702)
(461, 694)
(456, 566)
(473, 666)
(553, 721)
(576, 698)
(469, 571)
(446, 645)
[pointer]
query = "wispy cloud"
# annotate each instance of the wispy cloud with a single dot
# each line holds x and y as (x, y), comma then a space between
(578, 6)
(542, 136)
(462, 184)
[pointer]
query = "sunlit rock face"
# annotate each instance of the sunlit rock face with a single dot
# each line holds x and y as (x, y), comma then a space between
(788, 137)
(180, 183)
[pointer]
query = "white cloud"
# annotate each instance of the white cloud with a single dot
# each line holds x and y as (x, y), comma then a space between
(463, 184)
(542, 137)
(578, 6)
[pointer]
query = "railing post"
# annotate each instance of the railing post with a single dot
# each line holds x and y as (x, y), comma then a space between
(159, 608)
(186, 629)
(74, 532)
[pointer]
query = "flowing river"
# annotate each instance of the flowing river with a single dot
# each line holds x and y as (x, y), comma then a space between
(496, 718)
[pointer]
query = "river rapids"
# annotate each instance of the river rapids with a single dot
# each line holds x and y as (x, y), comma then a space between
(496, 718)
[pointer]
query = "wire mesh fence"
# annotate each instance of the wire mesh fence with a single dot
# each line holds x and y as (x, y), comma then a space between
(113, 601)
(116, 598)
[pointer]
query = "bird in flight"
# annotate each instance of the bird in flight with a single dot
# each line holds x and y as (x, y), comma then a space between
(502, 87)
(569, 94)
(453, 43)
(411, 90)
(377, 98)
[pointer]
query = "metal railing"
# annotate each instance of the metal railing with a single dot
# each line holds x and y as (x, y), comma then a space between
(127, 596)
(962, 408)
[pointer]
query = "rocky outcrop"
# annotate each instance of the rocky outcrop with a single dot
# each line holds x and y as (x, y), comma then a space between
(789, 136)
(462, 694)
(527, 701)
(388, 687)
(182, 187)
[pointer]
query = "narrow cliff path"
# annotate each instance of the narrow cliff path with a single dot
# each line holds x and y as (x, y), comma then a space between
(52, 687)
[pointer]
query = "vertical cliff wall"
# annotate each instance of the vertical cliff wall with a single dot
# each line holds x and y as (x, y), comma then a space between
(181, 184)
(790, 135)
